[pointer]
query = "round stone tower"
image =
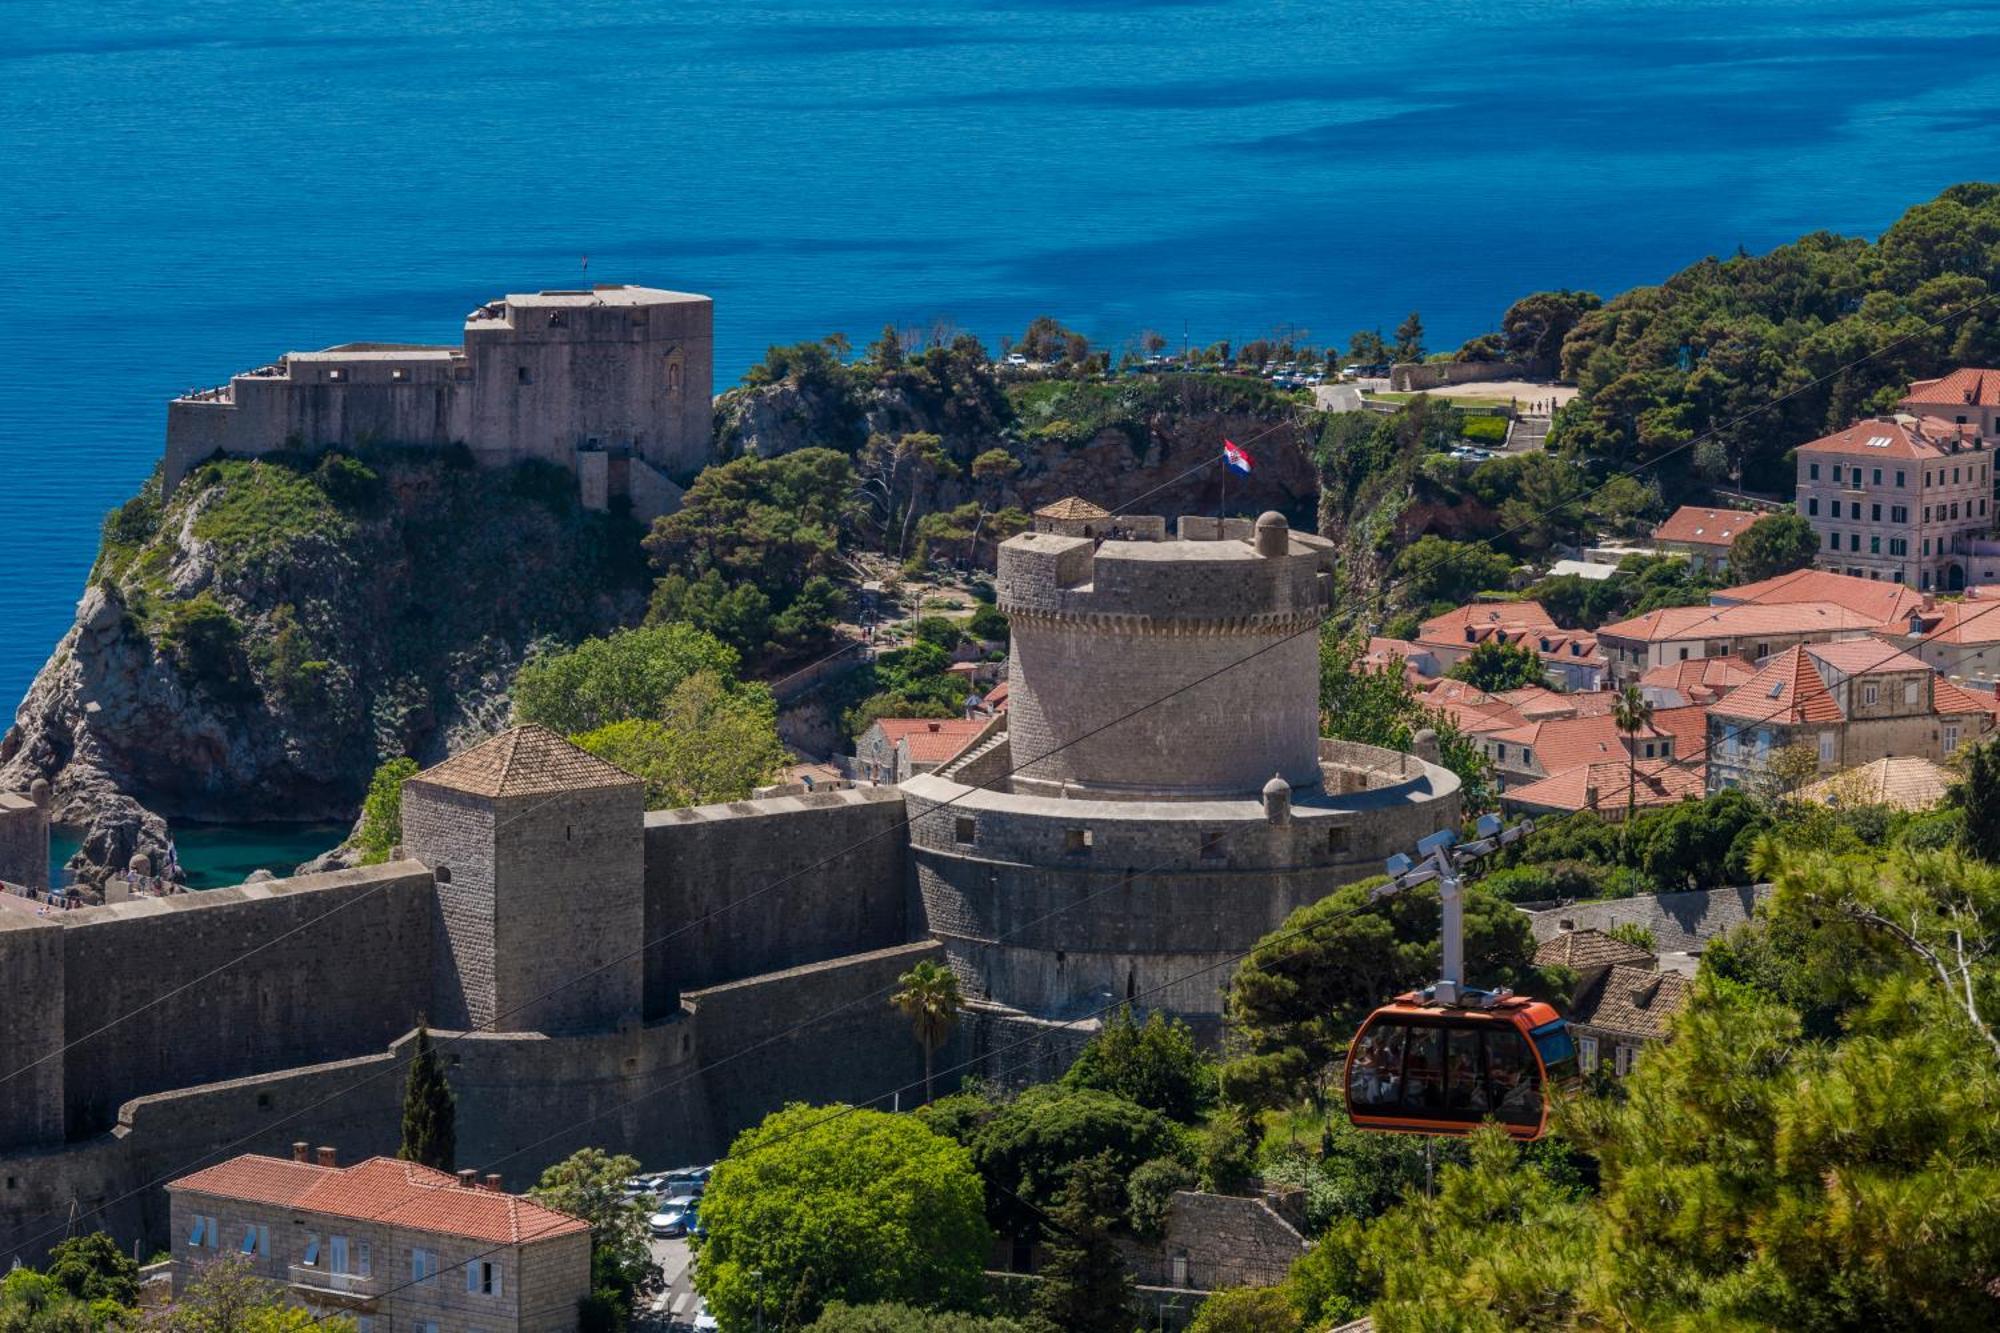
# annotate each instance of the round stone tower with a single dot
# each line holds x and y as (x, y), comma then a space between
(1215, 626)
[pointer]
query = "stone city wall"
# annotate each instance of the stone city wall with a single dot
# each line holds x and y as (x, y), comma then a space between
(24, 841)
(702, 860)
(1416, 376)
(166, 992)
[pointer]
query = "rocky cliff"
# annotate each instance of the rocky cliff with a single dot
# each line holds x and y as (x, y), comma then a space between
(256, 647)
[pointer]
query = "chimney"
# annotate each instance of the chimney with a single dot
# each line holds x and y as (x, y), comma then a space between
(493, 1181)
(327, 1156)
(301, 1151)
(469, 1178)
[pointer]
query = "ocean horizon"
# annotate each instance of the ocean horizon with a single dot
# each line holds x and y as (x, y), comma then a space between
(188, 195)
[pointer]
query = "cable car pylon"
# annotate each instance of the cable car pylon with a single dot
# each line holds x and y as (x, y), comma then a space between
(1449, 1057)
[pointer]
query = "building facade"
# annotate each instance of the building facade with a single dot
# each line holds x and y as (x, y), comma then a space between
(1848, 704)
(1898, 498)
(394, 1246)
(1704, 535)
(612, 384)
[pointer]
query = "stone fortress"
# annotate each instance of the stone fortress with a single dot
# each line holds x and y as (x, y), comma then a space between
(612, 384)
(1128, 857)
(1155, 799)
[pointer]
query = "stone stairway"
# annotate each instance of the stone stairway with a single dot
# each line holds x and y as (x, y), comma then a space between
(1527, 433)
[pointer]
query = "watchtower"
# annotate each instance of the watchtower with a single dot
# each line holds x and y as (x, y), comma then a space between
(539, 852)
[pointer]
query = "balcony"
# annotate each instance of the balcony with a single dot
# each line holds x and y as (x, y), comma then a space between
(343, 1288)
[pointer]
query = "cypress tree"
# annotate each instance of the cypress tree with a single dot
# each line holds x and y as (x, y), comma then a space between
(1978, 794)
(1085, 1286)
(430, 1113)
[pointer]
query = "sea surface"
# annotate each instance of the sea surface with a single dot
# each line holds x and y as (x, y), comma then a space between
(187, 191)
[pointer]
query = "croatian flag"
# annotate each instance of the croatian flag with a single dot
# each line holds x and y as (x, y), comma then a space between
(1236, 457)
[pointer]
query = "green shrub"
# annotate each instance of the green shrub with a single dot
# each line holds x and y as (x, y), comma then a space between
(204, 642)
(988, 623)
(348, 482)
(382, 811)
(946, 634)
(1151, 1189)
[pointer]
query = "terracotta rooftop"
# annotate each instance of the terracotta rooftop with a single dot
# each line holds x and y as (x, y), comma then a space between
(1581, 949)
(1867, 597)
(1975, 620)
(1739, 621)
(1703, 680)
(1483, 619)
(1898, 437)
(527, 760)
(1072, 507)
(1659, 782)
(940, 739)
(383, 1189)
(1564, 743)
(1906, 782)
(1968, 386)
(1632, 1001)
(1788, 688)
(1718, 527)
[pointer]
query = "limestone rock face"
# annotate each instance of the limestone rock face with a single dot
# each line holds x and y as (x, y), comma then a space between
(235, 660)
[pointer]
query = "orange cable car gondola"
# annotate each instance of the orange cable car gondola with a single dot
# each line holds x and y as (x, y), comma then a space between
(1447, 1059)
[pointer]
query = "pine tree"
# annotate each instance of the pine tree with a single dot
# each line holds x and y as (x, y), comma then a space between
(1085, 1287)
(430, 1112)
(1978, 794)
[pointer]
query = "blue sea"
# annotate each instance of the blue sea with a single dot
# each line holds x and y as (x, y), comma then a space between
(186, 191)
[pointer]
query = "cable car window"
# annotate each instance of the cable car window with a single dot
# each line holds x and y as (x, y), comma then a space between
(1377, 1078)
(1553, 1041)
(1423, 1070)
(1465, 1085)
(1517, 1094)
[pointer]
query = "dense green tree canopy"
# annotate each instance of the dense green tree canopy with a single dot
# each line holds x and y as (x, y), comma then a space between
(1155, 1064)
(1028, 1147)
(621, 677)
(840, 1317)
(1494, 667)
(1381, 708)
(841, 1204)
(710, 743)
(590, 1184)
(1435, 569)
(1772, 546)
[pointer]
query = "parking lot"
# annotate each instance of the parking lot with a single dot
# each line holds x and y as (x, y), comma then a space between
(674, 1306)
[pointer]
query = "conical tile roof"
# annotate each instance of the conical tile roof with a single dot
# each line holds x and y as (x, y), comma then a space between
(524, 761)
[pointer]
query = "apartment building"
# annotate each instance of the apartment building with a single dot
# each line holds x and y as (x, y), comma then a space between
(1851, 703)
(1751, 631)
(397, 1247)
(1898, 498)
(1959, 640)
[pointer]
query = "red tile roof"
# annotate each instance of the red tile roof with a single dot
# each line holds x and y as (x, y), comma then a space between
(528, 760)
(1867, 597)
(385, 1190)
(1788, 688)
(1659, 783)
(1951, 700)
(1967, 386)
(1484, 620)
(1973, 621)
(1587, 948)
(935, 740)
(1743, 621)
(1900, 437)
(1711, 527)
(1863, 657)
(1702, 680)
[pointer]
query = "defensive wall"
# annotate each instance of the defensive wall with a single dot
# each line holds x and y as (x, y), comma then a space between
(24, 837)
(1417, 376)
(702, 860)
(613, 384)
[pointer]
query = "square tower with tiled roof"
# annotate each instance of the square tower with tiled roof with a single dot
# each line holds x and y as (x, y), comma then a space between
(539, 852)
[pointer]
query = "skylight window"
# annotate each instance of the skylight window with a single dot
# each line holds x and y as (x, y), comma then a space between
(1777, 689)
(1878, 441)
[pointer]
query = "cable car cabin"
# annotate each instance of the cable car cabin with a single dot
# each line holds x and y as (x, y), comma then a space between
(1418, 1068)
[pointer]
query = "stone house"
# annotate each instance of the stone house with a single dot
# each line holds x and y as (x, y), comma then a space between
(893, 748)
(1898, 498)
(1699, 682)
(1212, 1241)
(1623, 1000)
(1681, 924)
(1877, 601)
(1968, 396)
(398, 1247)
(1537, 750)
(1602, 787)
(1851, 703)
(1703, 535)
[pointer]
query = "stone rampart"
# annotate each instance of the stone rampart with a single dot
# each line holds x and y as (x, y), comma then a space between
(703, 860)
(1417, 376)
(166, 993)
(24, 841)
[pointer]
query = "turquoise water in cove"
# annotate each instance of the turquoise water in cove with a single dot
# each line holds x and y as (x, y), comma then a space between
(214, 855)
(186, 191)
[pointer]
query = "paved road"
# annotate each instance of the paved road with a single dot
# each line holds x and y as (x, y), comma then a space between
(675, 1305)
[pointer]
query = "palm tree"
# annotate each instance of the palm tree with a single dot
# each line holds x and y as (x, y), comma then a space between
(1633, 715)
(930, 1000)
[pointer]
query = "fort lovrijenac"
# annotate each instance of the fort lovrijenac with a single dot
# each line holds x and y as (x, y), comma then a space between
(1178, 837)
(612, 384)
